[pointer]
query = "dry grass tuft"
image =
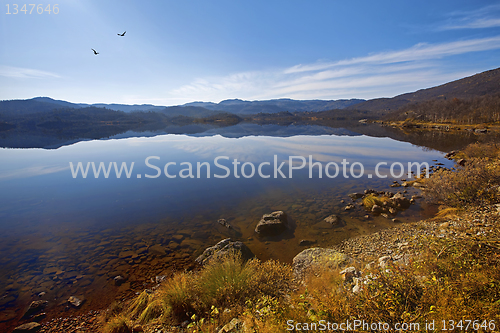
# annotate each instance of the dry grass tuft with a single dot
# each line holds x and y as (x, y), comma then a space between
(119, 324)
(373, 199)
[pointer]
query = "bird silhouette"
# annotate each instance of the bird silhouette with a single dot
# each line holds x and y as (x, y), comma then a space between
(95, 52)
(123, 34)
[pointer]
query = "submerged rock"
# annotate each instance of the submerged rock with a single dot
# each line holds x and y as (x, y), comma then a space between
(355, 196)
(28, 327)
(349, 207)
(318, 257)
(305, 242)
(35, 306)
(224, 223)
(223, 248)
(400, 201)
(272, 224)
(334, 220)
(376, 209)
(157, 250)
(75, 301)
(119, 280)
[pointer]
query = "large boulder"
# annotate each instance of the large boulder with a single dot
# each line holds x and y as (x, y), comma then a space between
(224, 248)
(320, 258)
(272, 224)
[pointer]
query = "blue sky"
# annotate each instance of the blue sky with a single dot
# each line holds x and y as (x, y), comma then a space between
(176, 52)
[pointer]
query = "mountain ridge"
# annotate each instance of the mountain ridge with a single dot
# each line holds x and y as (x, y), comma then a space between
(480, 84)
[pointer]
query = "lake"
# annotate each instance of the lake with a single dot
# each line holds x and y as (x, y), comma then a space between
(64, 235)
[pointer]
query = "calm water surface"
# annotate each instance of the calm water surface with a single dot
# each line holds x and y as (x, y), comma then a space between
(65, 236)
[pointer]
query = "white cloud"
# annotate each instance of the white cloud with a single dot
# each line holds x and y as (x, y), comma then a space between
(485, 17)
(376, 75)
(421, 51)
(25, 73)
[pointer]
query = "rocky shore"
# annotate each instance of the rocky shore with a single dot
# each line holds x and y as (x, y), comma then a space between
(400, 244)
(405, 240)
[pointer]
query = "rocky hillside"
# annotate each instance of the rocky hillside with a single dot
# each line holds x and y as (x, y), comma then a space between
(485, 83)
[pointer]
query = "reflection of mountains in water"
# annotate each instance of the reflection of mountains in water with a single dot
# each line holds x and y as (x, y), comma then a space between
(438, 140)
(242, 130)
(42, 140)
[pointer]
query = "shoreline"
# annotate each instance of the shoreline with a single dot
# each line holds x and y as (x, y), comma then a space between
(402, 243)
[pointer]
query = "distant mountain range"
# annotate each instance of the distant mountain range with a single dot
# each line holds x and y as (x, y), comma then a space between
(238, 106)
(195, 109)
(486, 83)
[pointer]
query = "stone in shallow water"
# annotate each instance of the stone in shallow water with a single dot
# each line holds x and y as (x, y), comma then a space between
(173, 245)
(333, 220)
(76, 301)
(126, 254)
(272, 224)
(50, 270)
(28, 327)
(118, 280)
(35, 306)
(7, 314)
(355, 196)
(305, 242)
(157, 250)
(224, 223)
(178, 237)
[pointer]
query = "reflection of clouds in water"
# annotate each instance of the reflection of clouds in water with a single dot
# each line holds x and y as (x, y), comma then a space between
(258, 149)
(322, 148)
(32, 171)
(332, 148)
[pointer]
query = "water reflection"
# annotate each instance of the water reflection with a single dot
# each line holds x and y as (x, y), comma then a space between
(67, 236)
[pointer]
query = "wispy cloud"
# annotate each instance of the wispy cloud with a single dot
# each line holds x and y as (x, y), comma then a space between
(485, 17)
(380, 74)
(25, 73)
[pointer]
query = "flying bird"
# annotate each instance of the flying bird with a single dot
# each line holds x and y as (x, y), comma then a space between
(95, 52)
(123, 34)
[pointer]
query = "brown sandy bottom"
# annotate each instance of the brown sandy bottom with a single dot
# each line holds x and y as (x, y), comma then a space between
(55, 265)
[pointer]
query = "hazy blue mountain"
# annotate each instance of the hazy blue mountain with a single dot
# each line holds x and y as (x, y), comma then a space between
(130, 108)
(194, 109)
(239, 106)
(116, 107)
(58, 102)
(29, 106)
(188, 111)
